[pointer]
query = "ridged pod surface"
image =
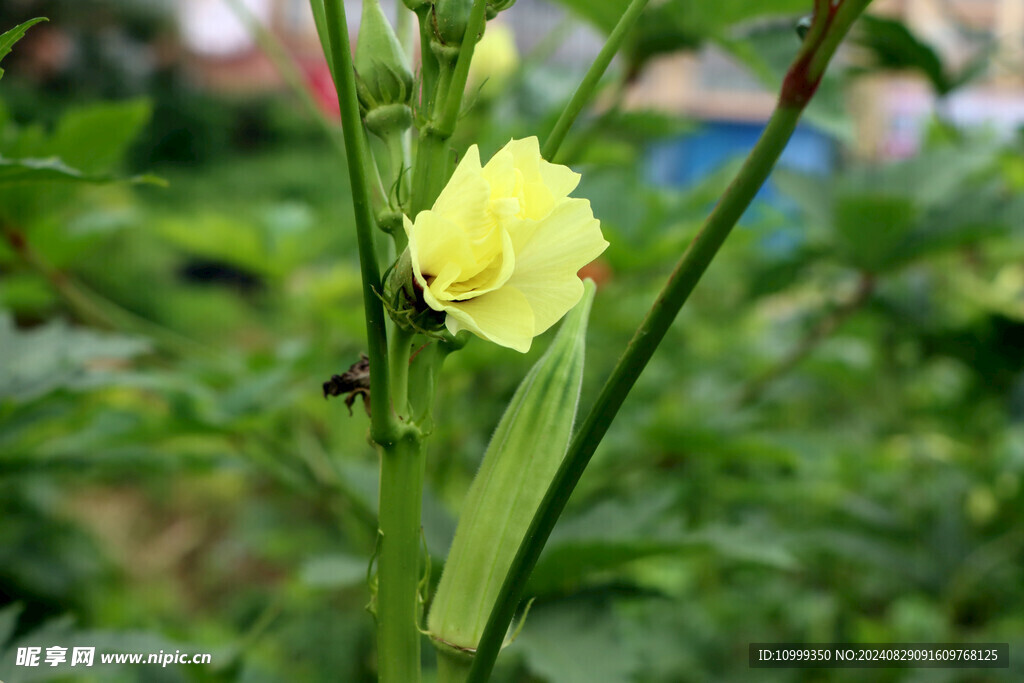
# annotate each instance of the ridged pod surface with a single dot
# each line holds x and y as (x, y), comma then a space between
(524, 453)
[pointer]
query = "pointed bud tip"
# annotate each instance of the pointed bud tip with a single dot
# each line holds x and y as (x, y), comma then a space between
(381, 65)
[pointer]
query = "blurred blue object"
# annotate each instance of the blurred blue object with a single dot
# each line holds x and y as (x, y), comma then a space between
(683, 161)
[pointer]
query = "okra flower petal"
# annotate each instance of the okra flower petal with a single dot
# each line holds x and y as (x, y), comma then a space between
(499, 251)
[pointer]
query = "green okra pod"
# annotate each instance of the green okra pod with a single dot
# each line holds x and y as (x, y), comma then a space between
(524, 453)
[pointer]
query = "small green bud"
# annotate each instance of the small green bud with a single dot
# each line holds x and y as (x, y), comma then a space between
(451, 17)
(522, 458)
(496, 6)
(385, 118)
(384, 76)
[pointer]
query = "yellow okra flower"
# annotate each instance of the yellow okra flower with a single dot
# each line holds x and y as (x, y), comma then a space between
(499, 251)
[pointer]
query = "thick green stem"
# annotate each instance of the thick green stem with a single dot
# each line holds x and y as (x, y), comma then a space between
(797, 90)
(446, 68)
(452, 103)
(445, 101)
(423, 372)
(431, 172)
(383, 428)
(585, 92)
(401, 349)
(398, 565)
(401, 450)
(428, 65)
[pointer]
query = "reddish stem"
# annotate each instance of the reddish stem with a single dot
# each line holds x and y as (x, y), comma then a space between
(799, 86)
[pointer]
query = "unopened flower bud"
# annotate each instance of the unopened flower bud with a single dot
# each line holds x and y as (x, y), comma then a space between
(494, 60)
(451, 17)
(384, 76)
(495, 6)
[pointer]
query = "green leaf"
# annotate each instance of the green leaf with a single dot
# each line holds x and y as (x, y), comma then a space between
(565, 567)
(984, 213)
(334, 571)
(603, 15)
(8, 39)
(26, 293)
(38, 361)
(93, 138)
(870, 227)
(683, 17)
(647, 124)
(767, 51)
(812, 193)
(615, 533)
(8, 622)
(577, 642)
(680, 24)
(932, 178)
(895, 46)
(604, 537)
(882, 216)
(53, 169)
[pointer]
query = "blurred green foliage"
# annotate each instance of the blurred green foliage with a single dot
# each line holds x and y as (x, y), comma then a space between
(829, 446)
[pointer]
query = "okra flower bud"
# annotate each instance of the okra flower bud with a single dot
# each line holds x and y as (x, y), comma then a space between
(451, 17)
(494, 60)
(385, 82)
(495, 6)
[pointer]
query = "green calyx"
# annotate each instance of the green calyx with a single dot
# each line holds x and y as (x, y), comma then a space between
(522, 458)
(403, 299)
(386, 118)
(390, 221)
(383, 73)
(451, 17)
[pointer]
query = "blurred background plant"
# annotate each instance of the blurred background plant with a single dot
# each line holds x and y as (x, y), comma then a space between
(830, 448)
